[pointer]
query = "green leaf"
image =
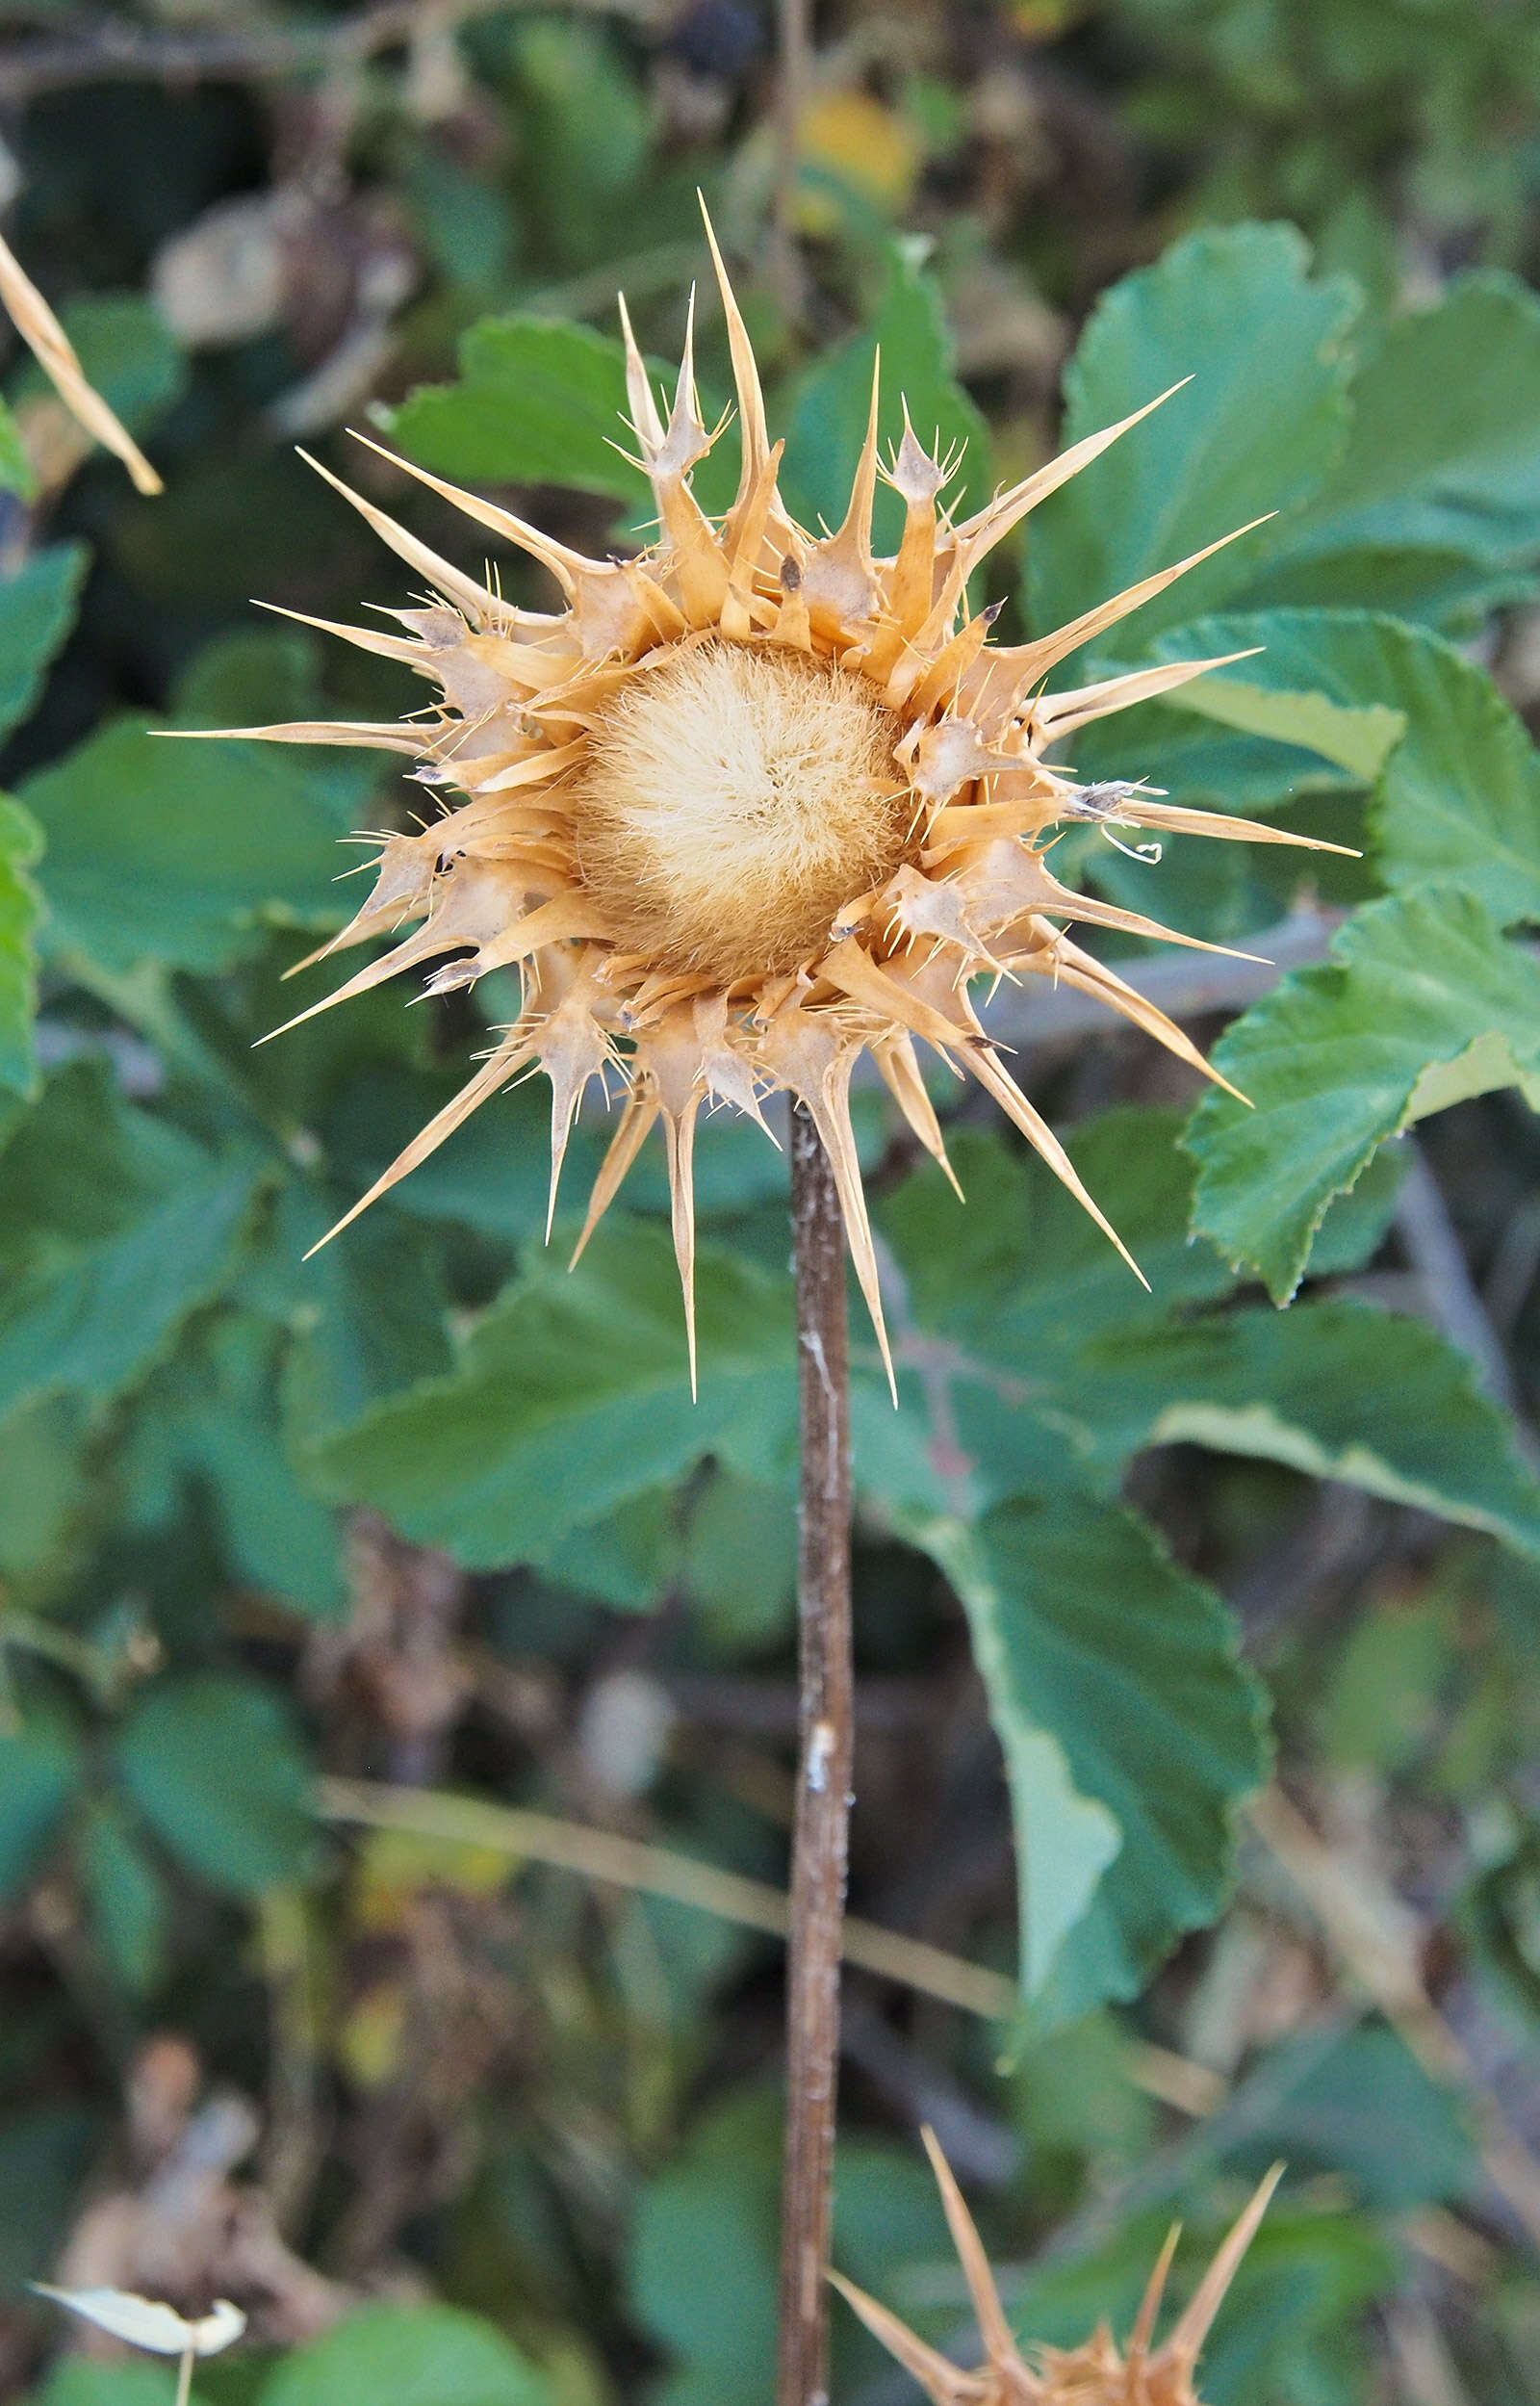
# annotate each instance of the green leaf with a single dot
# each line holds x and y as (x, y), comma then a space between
(538, 402)
(1083, 1628)
(20, 847)
(492, 1175)
(828, 406)
(126, 1895)
(571, 1396)
(128, 353)
(212, 1418)
(583, 127)
(255, 674)
(1336, 1058)
(1367, 2108)
(39, 1773)
(1051, 1374)
(413, 2356)
(627, 1559)
(1439, 486)
(114, 1227)
(368, 1311)
(81, 2381)
(1335, 1388)
(1359, 740)
(39, 605)
(161, 850)
(1459, 794)
(717, 2203)
(214, 1765)
(1014, 1287)
(1259, 429)
(15, 468)
(45, 2153)
(1064, 1839)
(740, 1561)
(45, 1479)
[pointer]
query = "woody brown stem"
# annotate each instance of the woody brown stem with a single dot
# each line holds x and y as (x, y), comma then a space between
(826, 1744)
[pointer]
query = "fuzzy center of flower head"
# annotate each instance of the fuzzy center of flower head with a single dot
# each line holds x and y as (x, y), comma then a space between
(734, 799)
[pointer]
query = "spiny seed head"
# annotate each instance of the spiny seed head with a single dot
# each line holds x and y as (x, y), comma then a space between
(746, 806)
(732, 798)
(1099, 2374)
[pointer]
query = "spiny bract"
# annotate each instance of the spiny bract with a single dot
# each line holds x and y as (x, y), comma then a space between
(747, 805)
(1093, 2375)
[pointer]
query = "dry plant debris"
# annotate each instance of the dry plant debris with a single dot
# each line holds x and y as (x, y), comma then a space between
(40, 330)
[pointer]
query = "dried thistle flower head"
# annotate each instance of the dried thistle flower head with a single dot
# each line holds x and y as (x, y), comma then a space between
(1093, 2375)
(748, 805)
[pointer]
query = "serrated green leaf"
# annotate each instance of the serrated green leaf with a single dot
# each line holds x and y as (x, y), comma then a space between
(1358, 739)
(1332, 1060)
(38, 605)
(175, 852)
(39, 1773)
(1083, 1629)
(1334, 1388)
(214, 1765)
(572, 1395)
(1459, 794)
(415, 2355)
(1356, 1224)
(538, 401)
(21, 845)
(114, 1227)
(1064, 1839)
(1259, 429)
(830, 404)
(1439, 487)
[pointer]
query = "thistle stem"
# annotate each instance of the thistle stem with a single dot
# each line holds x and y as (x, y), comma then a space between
(826, 1747)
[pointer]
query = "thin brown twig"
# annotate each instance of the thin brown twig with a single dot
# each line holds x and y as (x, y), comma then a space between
(820, 1830)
